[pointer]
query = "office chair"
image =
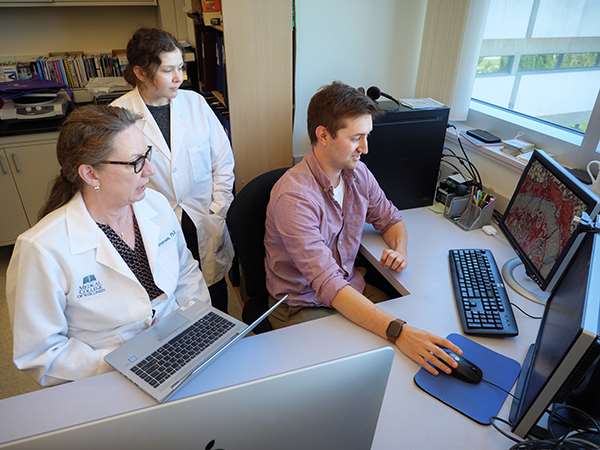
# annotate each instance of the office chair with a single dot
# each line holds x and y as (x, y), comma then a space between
(246, 224)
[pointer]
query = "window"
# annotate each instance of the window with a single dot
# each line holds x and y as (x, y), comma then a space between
(541, 58)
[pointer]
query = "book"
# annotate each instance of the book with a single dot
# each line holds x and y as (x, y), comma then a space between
(421, 103)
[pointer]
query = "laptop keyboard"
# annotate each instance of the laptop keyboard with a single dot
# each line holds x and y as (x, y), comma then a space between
(157, 367)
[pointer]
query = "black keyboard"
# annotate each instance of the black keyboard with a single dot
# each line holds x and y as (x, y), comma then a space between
(481, 299)
(157, 367)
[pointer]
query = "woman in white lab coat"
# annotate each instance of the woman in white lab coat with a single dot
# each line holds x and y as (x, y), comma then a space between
(107, 260)
(193, 160)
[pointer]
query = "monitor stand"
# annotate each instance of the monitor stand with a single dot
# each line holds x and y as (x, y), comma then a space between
(514, 274)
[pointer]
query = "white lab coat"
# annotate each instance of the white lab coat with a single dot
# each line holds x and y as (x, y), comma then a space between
(196, 175)
(72, 298)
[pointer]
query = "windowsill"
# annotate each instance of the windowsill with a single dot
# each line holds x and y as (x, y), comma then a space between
(497, 156)
(528, 124)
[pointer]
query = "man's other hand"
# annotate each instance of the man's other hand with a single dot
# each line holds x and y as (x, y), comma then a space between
(394, 259)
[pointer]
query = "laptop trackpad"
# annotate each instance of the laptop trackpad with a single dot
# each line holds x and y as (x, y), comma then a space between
(168, 325)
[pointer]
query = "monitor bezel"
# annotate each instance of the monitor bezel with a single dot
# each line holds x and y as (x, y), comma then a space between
(571, 366)
(592, 207)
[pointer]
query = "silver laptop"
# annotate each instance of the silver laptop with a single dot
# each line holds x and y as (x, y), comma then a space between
(162, 358)
(332, 405)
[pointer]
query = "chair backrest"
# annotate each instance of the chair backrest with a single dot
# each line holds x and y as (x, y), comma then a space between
(246, 225)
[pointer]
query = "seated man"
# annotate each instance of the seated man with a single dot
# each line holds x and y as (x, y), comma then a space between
(314, 226)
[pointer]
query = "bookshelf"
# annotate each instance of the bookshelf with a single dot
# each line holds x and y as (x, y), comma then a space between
(246, 63)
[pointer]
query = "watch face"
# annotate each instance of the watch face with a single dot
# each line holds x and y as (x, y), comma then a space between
(394, 328)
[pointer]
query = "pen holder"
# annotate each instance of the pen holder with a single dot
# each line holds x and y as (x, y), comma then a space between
(455, 206)
(475, 216)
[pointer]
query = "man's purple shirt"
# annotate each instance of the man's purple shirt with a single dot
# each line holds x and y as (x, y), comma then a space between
(310, 241)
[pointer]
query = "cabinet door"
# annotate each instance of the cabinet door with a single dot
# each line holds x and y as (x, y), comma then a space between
(34, 168)
(12, 217)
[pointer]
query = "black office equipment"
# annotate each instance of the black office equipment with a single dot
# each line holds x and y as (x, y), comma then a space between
(405, 149)
(484, 136)
(481, 299)
(465, 370)
(564, 364)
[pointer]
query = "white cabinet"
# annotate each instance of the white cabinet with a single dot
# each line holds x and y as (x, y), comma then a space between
(13, 220)
(27, 170)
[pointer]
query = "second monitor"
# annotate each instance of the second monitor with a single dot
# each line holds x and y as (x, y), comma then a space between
(539, 224)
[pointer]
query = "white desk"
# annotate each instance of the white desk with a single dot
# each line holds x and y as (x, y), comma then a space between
(409, 418)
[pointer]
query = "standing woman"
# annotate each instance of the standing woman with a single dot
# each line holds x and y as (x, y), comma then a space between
(193, 160)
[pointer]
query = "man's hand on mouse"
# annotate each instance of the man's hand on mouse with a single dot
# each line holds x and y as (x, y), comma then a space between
(394, 259)
(425, 349)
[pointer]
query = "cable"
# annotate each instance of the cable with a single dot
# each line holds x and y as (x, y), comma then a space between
(558, 406)
(455, 168)
(575, 438)
(472, 170)
(500, 388)
(526, 313)
(506, 435)
(463, 150)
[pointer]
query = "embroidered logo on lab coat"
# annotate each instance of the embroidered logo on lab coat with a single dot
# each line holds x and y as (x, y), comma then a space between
(90, 286)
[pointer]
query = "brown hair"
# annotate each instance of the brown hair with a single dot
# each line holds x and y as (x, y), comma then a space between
(144, 49)
(334, 103)
(86, 137)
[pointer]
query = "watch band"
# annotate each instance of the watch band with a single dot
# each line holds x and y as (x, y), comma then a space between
(394, 330)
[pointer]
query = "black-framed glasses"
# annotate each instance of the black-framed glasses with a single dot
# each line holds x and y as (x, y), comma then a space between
(138, 163)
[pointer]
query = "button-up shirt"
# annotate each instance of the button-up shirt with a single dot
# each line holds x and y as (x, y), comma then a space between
(311, 241)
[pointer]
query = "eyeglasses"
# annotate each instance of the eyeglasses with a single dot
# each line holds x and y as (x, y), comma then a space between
(138, 163)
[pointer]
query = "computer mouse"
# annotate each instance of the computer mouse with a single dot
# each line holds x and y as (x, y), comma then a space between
(466, 370)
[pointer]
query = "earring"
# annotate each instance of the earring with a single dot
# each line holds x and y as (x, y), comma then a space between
(97, 187)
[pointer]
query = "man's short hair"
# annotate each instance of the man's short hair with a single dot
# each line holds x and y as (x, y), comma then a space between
(333, 104)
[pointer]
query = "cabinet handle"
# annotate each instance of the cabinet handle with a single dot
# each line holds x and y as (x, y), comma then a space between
(14, 159)
(4, 172)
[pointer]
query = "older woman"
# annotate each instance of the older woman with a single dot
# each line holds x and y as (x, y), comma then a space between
(107, 260)
(193, 159)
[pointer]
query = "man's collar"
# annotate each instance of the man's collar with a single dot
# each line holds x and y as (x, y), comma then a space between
(320, 175)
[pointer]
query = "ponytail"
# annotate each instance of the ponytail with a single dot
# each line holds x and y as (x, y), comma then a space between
(86, 137)
(62, 191)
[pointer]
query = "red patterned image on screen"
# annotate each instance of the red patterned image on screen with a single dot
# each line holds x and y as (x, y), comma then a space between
(541, 217)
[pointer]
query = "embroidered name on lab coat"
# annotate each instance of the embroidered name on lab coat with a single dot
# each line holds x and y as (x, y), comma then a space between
(90, 286)
(168, 238)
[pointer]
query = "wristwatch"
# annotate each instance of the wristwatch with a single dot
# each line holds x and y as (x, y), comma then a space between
(394, 329)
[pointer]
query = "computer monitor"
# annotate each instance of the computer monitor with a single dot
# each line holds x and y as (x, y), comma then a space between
(539, 225)
(563, 364)
(331, 405)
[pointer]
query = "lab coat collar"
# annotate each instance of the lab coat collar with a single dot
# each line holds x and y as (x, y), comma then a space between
(148, 125)
(84, 235)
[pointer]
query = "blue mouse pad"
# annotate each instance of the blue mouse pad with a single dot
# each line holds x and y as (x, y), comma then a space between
(479, 402)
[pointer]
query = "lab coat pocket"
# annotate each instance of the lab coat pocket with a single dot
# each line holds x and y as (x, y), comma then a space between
(200, 162)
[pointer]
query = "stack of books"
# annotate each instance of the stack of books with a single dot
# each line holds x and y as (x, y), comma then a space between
(73, 69)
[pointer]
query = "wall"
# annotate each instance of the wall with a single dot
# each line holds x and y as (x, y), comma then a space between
(39, 30)
(359, 43)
